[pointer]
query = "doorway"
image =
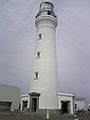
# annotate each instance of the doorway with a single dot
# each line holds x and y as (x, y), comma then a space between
(65, 106)
(24, 105)
(34, 102)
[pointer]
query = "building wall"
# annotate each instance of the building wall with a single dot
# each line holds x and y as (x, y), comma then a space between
(25, 97)
(80, 105)
(66, 97)
(88, 106)
(46, 84)
(61, 97)
(10, 94)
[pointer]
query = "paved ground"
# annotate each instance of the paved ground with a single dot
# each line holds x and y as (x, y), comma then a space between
(30, 116)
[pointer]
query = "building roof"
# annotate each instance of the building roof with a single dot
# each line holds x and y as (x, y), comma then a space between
(7, 85)
(24, 95)
(66, 94)
(80, 98)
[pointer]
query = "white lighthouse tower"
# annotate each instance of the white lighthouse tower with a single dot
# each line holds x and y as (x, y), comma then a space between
(44, 83)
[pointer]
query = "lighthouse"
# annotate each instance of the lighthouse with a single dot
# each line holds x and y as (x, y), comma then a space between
(44, 83)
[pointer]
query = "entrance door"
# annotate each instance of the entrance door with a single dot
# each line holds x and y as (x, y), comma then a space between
(34, 104)
(34, 101)
(25, 105)
(65, 106)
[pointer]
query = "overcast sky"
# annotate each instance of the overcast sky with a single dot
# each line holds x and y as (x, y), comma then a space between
(17, 41)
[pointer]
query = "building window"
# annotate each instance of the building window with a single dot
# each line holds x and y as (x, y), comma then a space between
(38, 55)
(36, 75)
(49, 12)
(39, 36)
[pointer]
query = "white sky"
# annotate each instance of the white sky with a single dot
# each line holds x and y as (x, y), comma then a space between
(17, 41)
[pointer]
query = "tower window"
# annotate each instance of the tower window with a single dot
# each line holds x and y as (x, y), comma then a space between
(49, 13)
(39, 36)
(38, 55)
(36, 75)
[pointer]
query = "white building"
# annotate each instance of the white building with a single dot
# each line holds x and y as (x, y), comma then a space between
(65, 102)
(81, 103)
(43, 94)
(44, 84)
(25, 100)
(9, 97)
(88, 107)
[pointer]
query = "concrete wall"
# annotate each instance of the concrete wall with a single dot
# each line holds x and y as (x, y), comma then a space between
(61, 97)
(46, 65)
(66, 97)
(10, 94)
(25, 97)
(80, 105)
